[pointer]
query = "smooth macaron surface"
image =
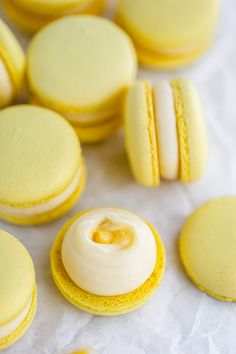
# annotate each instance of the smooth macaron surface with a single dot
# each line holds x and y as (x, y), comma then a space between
(40, 155)
(17, 278)
(169, 25)
(208, 247)
(80, 64)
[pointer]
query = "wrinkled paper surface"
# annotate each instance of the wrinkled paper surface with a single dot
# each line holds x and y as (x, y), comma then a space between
(178, 319)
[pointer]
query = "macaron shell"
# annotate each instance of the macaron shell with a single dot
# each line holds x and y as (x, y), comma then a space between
(141, 141)
(20, 331)
(41, 143)
(193, 147)
(162, 61)
(104, 305)
(13, 56)
(95, 38)
(54, 214)
(168, 25)
(98, 132)
(17, 277)
(31, 22)
(49, 6)
(208, 247)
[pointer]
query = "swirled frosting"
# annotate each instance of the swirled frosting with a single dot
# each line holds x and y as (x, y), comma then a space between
(109, 252)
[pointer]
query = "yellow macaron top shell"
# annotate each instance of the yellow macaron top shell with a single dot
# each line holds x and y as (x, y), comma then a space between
(80, 63)
(17, 278)
(141, 140)
(40, 155)
(208, 248)
(12, 55)
(169, 25)
(49, 6)
(193, 145)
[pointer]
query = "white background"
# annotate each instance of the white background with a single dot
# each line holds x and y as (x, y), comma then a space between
(178, 319)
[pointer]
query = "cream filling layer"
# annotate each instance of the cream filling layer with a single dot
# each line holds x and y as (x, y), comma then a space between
(6, 87)
(167, 135)
(27, 212)
(13, 325)
(109, 252)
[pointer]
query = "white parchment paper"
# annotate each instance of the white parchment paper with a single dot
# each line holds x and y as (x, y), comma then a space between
(179, 319)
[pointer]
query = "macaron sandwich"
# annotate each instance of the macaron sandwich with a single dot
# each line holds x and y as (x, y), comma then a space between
(91, 255)
(41, 164)
(82, 66)
(169, 34)
(12, 66)
(18, 294)
(165, 132)
(31, 15)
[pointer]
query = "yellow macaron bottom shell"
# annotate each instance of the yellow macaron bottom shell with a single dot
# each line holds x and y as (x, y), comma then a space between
(31, 22)
(22, 328)
(54, 213)
(207, 247)
(104, 305)
(166, 61)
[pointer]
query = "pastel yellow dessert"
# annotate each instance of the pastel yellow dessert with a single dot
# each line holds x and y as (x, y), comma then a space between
(18, 294)
(12, 66)
(91, 255)
(165, 132)
(208, 248)
(169, 34)
(82, 66)
(31, 15)
(41, 164)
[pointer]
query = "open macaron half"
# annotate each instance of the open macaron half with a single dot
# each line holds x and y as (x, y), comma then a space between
(18, 294)
(165, 132)
(12, 66)
(31, 15)
(91, 255)
(82, 66)
(42, 169)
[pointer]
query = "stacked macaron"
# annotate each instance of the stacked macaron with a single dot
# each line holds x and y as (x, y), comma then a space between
(18, 294)
(82, 67)
(98, 246)
(169, 34)
(42, 169)
(165, 132)
(12, 66)
(31, 15)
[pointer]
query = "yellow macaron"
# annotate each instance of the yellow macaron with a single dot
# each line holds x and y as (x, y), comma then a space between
(18, 294)
(165, 132)
(12, 66)
(208, 248)
(169, 34)
(31, 15)
(42, 169)
(91, 255)
(81, 66)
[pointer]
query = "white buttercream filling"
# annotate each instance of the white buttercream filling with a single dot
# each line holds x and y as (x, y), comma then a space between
(120, 263)
(6, 87)
(166, 130)
(13, 325)
(26, 212)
